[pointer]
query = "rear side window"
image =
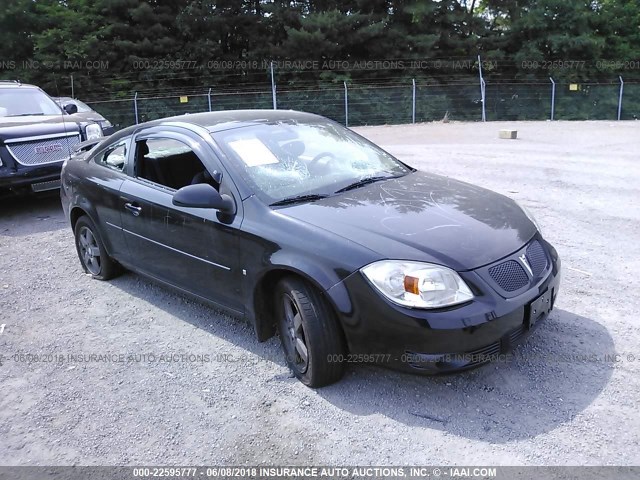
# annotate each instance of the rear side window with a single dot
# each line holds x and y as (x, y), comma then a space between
(114, 157)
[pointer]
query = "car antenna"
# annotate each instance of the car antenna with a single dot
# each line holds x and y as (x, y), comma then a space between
(64, 123)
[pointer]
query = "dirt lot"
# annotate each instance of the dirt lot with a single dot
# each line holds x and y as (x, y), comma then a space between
(564, 398)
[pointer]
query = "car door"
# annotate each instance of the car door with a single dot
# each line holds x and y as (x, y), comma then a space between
(107, 174)
(190, 248)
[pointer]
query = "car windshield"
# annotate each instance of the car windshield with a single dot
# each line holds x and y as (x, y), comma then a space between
(287, 160)
(16, 102)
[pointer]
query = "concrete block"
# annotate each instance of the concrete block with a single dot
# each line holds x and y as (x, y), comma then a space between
(510, 134)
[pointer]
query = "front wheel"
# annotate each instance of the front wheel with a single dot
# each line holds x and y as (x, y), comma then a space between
(93, 256)
(310, 334)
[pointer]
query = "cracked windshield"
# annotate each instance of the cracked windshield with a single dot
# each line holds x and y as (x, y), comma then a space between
(284, 161)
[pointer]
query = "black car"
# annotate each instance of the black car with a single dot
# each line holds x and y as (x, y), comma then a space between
(36, 136)
(84, 113)
(301, 225)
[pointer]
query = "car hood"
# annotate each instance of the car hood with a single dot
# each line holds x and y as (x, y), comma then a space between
(424, 217)
(88, 117)
(36, 125)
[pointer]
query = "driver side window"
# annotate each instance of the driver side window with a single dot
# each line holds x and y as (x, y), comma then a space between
(170, 163)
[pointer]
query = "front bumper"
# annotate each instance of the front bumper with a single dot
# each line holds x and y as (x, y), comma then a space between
(33, 174)
(445, 340)
(18, 178)
(30, 179)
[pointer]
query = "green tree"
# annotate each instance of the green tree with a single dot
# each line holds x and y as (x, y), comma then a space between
(620, 27)
(544, 30)
(16, 24)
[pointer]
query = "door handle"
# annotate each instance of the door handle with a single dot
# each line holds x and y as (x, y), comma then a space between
(135, 210)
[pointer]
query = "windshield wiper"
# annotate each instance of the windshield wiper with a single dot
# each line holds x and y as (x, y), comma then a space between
(25, 115)
(298, 199)
(365, 181)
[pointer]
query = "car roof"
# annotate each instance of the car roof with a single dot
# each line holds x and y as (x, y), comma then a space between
(15, 84)
(218, 121)
(224, 120)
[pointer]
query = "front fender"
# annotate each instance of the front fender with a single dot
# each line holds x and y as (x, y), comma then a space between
(327, 280)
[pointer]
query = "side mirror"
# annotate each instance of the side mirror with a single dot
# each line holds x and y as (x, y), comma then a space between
(203, 195)
(70, 108)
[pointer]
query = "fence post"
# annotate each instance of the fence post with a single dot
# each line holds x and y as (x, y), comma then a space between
(209, 98)
(135, 106)
(413, 106)
(273, 88)
(346, 105)
(482, 90)
(553, 98)
(620, 97)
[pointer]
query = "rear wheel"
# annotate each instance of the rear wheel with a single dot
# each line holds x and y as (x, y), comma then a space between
(91, 251)
(310, 334)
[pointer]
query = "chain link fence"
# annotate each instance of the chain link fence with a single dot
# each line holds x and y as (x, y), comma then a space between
(358, 103)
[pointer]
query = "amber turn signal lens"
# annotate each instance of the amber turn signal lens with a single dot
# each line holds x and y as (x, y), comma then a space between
(411, 285)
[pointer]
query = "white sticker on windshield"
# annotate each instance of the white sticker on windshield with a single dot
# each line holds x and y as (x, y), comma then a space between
(253, 152)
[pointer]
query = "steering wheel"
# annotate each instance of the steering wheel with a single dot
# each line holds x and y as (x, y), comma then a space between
(319, 157)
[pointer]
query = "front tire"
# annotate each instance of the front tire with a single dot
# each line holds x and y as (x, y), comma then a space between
(311, 337)
(93, 256)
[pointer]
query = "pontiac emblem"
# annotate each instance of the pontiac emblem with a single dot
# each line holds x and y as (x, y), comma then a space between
(525, 262)
(44, 149)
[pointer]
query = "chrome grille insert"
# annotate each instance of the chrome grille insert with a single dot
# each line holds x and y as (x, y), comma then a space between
(40, 151)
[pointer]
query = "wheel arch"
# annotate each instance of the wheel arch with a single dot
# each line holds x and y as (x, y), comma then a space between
(75, 214)
(262, 306)
(77, 211)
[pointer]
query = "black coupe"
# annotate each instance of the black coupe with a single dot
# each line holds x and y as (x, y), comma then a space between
(304, 227)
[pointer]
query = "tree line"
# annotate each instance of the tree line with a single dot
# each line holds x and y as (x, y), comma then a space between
(112, 48)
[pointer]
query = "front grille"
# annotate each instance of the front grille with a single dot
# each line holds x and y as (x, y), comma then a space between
(536, 257)
(510, 276)
(485, 353)
(516, 334)
(42, 151)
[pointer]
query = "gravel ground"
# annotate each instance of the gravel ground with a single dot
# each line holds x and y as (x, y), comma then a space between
(559, 401)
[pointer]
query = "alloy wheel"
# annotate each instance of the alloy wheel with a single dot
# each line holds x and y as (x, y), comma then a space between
(89, 251)
(295, 337)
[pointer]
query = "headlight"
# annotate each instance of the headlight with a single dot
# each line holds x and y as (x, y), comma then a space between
(417, 284)
(93, 131)
(530, 216)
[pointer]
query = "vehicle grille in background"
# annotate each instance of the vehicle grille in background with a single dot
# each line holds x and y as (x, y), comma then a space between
(510, 275)
(536, 257)
(45, 186)
(42, 151)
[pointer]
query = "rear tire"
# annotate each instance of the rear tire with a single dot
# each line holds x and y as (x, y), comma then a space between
(93, 256)
(311, 337)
